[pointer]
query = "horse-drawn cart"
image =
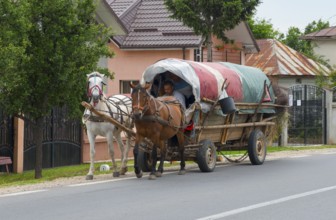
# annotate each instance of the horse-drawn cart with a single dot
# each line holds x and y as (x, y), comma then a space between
(230, 108)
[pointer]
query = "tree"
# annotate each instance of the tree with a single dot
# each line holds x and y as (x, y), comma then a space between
(61, 43)
(263, 29)
(211, 17)
(316, 26)
(13, 37)
(294, 40)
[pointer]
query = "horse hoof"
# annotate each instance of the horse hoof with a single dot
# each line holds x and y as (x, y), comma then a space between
(152, 177)
(181, 172)
(139, 175)
(89, 177)
(158, 174)
(123, 171)
(116, 174)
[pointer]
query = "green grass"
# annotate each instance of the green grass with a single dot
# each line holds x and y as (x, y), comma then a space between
(298, 148)
(27, 177)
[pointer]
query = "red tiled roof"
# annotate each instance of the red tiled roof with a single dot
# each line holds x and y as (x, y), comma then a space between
(149, 26)
(276, 58)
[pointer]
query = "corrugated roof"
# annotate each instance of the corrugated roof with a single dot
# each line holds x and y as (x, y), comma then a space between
(149, 26)
(327, 33)
(276, 58)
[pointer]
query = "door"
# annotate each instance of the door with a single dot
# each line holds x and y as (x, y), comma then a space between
(307, 124)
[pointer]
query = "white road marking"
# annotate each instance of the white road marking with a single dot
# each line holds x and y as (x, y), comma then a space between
(328, 153)
(300, 156)
(268, 203)
(98, 182)
(22, 193)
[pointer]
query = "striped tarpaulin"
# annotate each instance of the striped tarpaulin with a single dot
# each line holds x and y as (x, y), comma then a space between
(244, 84)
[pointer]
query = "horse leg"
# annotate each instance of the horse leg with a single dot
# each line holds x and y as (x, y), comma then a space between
(123, 168)
(152, 175)
(111, 151)
(163, 154)
(180, 139)
(137, 170)
(92, 139)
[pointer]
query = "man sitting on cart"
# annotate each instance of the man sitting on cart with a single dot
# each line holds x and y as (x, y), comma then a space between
(169, 90)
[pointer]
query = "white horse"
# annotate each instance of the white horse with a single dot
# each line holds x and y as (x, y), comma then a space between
(119, 107)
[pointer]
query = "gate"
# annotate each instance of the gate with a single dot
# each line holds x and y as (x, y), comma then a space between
(61, 141)
(6, 138)
(307, 124)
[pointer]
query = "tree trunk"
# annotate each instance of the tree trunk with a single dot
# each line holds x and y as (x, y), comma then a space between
(209, 47)
(38, 136)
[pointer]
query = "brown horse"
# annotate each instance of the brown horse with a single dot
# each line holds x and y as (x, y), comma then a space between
(157, 119)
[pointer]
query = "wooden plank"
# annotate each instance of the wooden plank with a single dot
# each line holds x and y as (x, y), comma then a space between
(241, 125)
(5, 160)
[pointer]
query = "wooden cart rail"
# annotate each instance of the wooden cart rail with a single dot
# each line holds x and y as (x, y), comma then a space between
(240, 125)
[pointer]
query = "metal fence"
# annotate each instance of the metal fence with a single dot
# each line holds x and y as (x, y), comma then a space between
(307, 124)
(61, 141)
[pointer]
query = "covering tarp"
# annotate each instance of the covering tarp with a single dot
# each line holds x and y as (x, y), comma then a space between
(245, 84)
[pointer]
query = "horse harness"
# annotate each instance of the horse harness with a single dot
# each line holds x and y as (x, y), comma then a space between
(115, 115)
(156, 117)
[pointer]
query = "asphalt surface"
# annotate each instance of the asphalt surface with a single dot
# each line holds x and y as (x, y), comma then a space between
(293, 187)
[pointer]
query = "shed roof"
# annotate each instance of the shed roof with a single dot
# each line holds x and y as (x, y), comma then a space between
(276, 58)
(327, 33)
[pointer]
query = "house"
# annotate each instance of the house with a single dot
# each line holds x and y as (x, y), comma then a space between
(287, 68)
(324, 42)
(152, 35)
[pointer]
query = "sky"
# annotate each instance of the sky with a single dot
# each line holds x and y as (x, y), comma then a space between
(298, 13)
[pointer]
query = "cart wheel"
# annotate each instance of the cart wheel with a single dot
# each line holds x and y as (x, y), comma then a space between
(144, 161)
(206, 156)
(257, 147)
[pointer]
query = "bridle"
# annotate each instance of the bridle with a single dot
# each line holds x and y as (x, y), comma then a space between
(95, 92)
(143, 109)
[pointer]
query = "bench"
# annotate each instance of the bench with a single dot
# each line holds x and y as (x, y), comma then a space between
(5, 161)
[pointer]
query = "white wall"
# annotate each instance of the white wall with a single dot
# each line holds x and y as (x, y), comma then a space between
(289, 82)
(327, 49)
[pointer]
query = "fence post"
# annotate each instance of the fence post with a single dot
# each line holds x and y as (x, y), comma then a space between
(18, 145)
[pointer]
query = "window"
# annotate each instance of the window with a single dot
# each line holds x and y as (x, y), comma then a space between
(125, 86)
(197, 55)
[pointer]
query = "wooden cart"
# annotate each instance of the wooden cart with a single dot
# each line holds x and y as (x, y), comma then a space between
(231, 108)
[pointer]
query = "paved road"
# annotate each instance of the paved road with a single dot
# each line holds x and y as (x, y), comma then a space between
(302, 187)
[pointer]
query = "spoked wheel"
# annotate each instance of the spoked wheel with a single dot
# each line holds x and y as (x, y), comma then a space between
(257, 147)
(206, 156)
(144, 160)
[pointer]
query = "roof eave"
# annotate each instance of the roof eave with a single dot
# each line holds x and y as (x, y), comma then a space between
(105, 15)
(159, 47)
